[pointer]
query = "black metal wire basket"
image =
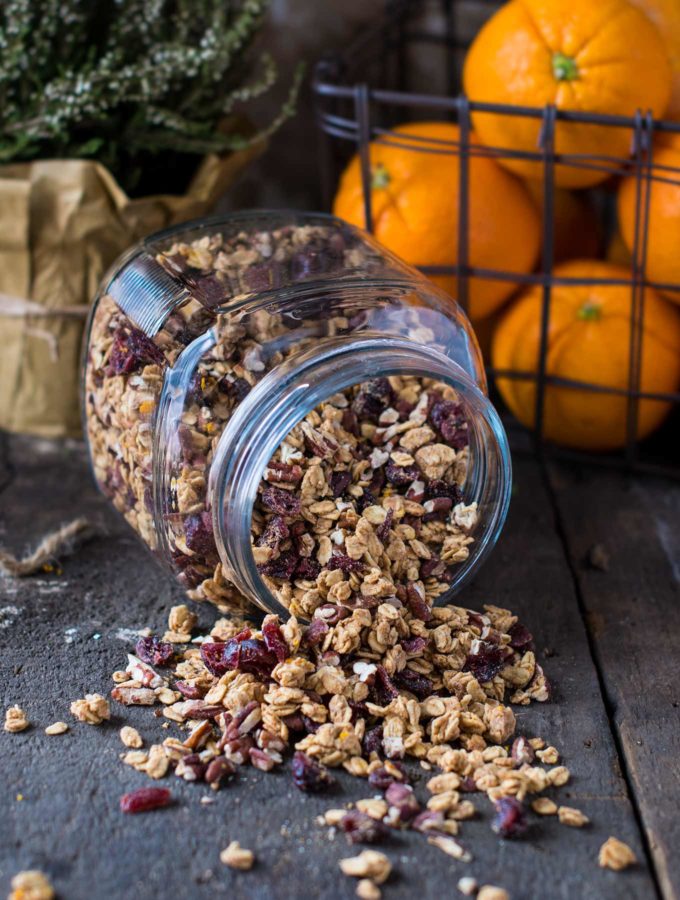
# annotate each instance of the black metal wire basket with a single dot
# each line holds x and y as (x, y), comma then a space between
(362, 93)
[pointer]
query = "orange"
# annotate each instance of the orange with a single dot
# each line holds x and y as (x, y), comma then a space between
(595, 56)
(666, 16)
(663, 223)
(588, 341)
(414, 197)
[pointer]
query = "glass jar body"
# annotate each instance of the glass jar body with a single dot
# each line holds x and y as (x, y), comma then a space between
(209, 345)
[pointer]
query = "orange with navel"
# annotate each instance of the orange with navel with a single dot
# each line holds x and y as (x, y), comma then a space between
(588, 341)
(593, 56)
(414, 199)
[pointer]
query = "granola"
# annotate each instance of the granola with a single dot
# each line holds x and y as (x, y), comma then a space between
(363, 501)
(237, 857)
(16, 720)
(31, 885)
(93, 709)
(616, 855)
(57, 728)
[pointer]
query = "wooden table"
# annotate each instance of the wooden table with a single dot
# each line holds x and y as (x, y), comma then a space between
(608, 640)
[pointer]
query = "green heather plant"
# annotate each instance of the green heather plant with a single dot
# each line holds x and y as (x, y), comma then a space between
(139, 85)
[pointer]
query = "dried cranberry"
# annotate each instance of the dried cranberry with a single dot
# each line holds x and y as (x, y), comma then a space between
(145, 799)
(266, 276)
(521, 639)
(400, 476)
(154, 652)
(344, 563)
(383, 531)
(294, 723)
(282, 566)
(414, 645)
(367, 499)
(382, 778)
(307, 569)
(316, 632)
(455, 433)
(510, 820)
(350, 422)
(409, 680)
(308, 262)
(437, 488)
(360, 828)
(468, 785)
(384, 690)
(250, 655)
(311, 727)
(487, 662)
(273, 638)
(238, 389)
(340, 481)
(282, 502)
(443, 410)
(417, 604)
(372, 398)
(275, 533)
(198, 534)
(309, 775)
(372, 742)
(130, 351)
(402, 798)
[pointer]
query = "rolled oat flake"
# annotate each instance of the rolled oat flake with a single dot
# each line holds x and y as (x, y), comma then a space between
(293, 419)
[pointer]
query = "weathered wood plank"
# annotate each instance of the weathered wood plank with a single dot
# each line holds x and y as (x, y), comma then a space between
(632, 612)
(63, 637)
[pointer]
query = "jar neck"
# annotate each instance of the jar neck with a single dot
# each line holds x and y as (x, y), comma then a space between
(291, 391)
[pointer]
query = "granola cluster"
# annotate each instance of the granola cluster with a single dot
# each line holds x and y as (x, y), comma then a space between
(362, 502)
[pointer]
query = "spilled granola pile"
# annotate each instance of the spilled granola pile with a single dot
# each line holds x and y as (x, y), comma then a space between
(364, 692)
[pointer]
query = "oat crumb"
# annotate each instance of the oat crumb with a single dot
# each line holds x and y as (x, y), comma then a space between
(568, 815)
(368, 890)
(467, 886)
(369, 864)
(31, 885)
(16, 720)
(57, 728)
(451, 847)
(616, 855)
(491, 892)
(92, 710)
(544, 806)
(131, 737)
(237, 857)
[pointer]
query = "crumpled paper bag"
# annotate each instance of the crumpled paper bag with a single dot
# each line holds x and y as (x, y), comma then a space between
(62, 224)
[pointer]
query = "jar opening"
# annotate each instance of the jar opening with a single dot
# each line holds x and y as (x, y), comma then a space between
(435, 503)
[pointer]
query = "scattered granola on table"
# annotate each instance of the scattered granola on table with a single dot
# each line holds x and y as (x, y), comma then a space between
(57, 728)
(93, 709)
(16, 720)
(31, 885)
(237, 857)
(616, 855)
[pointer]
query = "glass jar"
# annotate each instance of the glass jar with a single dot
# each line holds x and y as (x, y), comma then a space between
(226, 356)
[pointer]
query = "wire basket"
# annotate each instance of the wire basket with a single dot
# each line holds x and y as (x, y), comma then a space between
(373, 85)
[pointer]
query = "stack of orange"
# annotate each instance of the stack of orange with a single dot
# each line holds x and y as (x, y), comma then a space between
(614, 57)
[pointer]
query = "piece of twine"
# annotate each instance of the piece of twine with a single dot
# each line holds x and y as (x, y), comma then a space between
(21, 308)
(55, 544)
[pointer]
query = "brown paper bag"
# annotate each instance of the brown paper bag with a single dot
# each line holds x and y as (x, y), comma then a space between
(62, 224)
